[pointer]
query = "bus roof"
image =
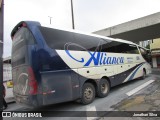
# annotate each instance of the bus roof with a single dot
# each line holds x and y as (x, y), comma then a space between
(94, 35)
(35, 23)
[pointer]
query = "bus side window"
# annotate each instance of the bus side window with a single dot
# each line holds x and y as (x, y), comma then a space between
(127, 48)
(109, 46)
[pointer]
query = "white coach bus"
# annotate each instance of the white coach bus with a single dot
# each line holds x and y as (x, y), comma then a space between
(52, 65)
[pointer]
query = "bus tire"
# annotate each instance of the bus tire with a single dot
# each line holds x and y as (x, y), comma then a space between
(103, 88)
(144, 74)
(88, 93)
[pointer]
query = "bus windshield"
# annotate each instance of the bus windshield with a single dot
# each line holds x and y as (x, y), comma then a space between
(146, 54)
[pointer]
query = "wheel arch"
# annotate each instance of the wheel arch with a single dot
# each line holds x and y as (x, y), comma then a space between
(107, 78)
(144, 69)
(93, 82)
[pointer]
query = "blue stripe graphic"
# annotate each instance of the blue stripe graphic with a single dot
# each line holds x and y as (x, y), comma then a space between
(131, 77)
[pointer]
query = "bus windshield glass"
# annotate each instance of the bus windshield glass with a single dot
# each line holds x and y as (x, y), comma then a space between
(146, 54)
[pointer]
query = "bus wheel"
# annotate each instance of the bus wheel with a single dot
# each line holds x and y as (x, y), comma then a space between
(103, 88)
(88, 93)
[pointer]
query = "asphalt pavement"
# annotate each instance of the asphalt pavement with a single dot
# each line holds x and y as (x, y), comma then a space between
(149, 100)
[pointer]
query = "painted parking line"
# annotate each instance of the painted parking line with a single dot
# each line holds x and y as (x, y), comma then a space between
(91, 111)
(139, 88)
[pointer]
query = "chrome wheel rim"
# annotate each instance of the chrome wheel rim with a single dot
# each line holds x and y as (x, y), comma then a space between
(88, 93)
(104, 88)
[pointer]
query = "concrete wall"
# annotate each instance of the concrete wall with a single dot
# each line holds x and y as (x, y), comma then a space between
(154, 62)
(7, 72)
(155, 48)
(155, 44)
(131, 25)
(141, 29)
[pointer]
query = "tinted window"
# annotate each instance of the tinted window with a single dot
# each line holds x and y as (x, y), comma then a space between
(22, 38)
(86, 42)
(146, 55)
(127, 48)
(118, 47)
(110, 46)
(143, 51)
(64, 40)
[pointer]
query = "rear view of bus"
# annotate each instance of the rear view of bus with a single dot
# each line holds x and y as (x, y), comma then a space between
(40, 77)
(25, 84)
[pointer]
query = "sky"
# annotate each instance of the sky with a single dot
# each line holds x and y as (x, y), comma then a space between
(89, 15)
